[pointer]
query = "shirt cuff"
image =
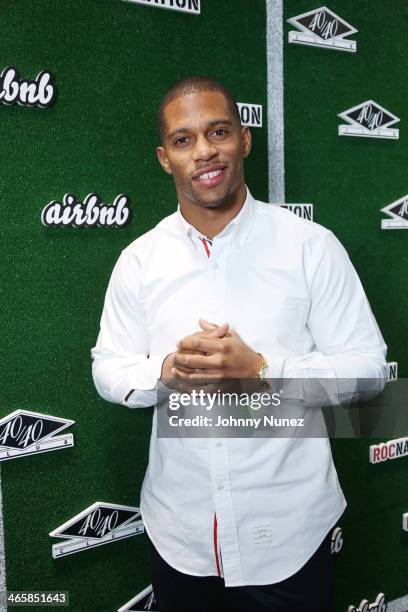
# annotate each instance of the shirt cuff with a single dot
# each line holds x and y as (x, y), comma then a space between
(149, 389)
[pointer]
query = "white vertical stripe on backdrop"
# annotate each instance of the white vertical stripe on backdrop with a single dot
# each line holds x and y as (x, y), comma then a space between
(274, 41)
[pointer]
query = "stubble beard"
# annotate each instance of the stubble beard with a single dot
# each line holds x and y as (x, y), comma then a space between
(223, 199)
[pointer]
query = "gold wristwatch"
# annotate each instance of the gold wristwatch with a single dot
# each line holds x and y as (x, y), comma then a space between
(263, 372)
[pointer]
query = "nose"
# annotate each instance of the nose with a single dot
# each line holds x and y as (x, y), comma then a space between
(203, 148)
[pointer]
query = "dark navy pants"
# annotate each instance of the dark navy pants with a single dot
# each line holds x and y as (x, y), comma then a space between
(309, 590)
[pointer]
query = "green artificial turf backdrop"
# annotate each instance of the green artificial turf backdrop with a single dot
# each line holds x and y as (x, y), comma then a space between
(112, 62)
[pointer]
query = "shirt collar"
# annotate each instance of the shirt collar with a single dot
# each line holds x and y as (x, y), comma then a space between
(238, 227)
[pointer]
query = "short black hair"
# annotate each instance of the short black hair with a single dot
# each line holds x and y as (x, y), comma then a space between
(191, 85)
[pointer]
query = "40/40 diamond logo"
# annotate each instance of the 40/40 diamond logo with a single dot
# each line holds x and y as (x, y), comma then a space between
(25, 433)
(398, 211)
(145, 600)
(369, 120)
(98, 524)
(322, 28)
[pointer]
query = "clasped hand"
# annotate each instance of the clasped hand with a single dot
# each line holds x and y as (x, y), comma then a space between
(215, 353)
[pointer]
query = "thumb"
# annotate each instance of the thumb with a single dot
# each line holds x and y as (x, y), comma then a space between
(216, 331)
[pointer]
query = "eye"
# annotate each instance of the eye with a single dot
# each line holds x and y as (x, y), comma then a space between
(220, 132)
(180, 141)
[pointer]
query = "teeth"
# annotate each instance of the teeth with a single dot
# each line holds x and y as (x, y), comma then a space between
(209, 175)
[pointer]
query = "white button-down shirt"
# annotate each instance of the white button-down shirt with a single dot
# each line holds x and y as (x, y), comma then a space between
(253, 510)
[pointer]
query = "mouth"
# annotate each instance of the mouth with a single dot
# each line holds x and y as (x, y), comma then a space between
(210, 177)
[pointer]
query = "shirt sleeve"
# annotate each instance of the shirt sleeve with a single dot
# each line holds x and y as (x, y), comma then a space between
(349, 347)
(122, 369)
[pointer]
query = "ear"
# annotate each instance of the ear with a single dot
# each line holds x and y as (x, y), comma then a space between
(246, 139)
(163, 159)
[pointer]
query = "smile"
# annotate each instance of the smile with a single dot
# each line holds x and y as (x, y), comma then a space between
(210, 179)
(209, 175)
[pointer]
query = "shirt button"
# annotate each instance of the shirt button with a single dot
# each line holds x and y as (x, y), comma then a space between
(216, 266)
(220, 487)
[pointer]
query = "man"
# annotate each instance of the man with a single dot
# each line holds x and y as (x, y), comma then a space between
(231, 288)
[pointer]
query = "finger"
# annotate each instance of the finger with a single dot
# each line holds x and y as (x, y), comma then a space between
(190, 370)
(214, 330)
(195, 361)
(200, 344)
(178, 372)
(199, 377)
(190, 337)
(204, 324)
(211, 377)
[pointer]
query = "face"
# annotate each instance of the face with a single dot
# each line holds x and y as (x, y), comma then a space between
(204, 147)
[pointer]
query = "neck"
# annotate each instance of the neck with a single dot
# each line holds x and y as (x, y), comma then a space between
(211, 221)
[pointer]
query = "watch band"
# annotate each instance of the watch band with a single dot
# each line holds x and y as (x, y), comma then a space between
(263, 372)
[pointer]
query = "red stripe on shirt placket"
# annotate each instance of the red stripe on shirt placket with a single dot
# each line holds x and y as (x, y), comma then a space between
(216, 546)
(207, 250)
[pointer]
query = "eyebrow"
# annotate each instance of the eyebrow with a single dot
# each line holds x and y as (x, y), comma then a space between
(182, 130)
